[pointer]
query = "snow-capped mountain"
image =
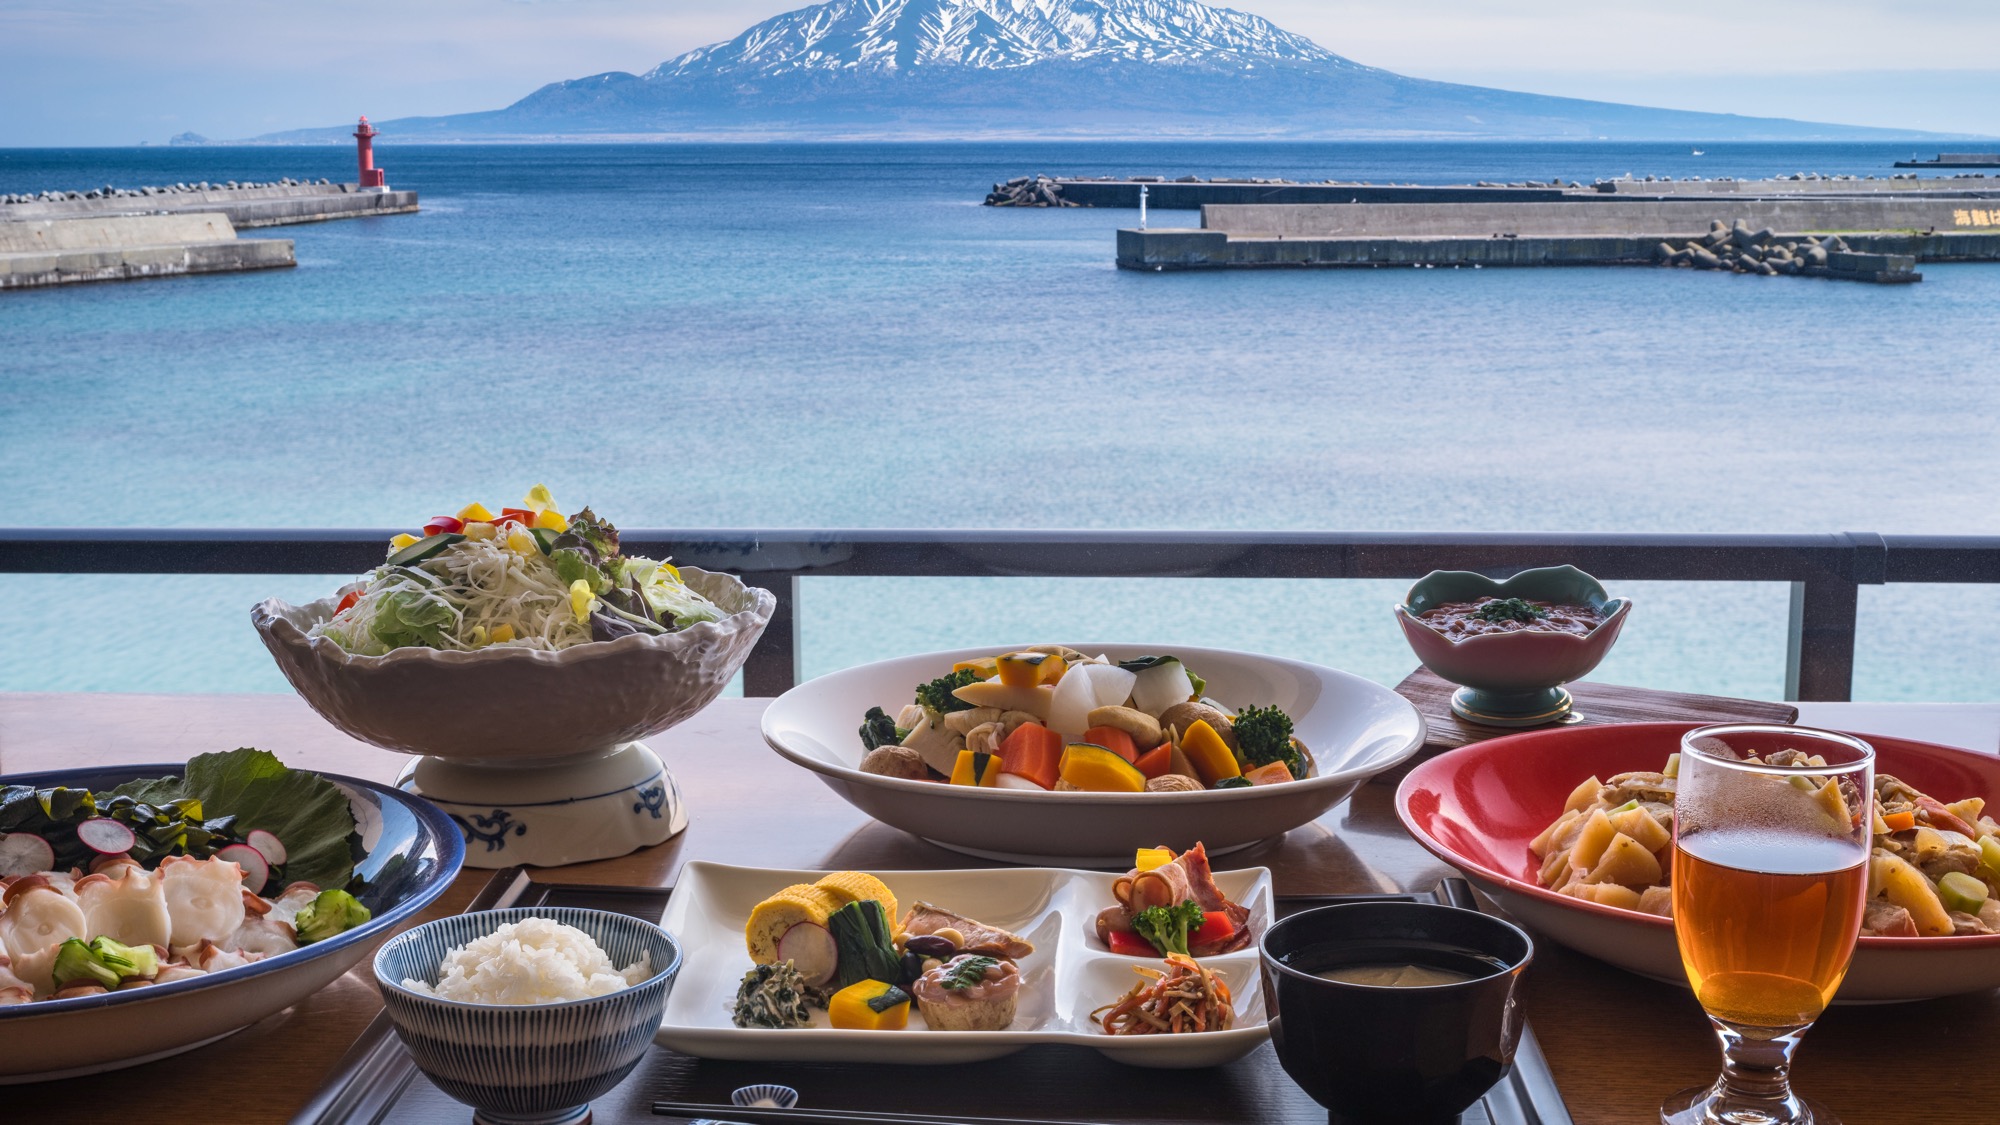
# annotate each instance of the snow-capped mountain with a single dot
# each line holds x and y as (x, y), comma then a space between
(903, 35)
(1047, 69)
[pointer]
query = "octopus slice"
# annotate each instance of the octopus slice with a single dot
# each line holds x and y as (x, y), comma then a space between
(126, 904)
(204, 898)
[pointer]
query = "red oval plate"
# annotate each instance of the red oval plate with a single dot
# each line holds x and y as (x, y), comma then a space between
(1478, 807)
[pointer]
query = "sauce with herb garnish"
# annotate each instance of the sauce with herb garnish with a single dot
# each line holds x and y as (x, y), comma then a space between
(1510, 615)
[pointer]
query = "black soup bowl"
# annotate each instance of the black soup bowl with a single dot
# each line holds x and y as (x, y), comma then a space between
(1382, 1052)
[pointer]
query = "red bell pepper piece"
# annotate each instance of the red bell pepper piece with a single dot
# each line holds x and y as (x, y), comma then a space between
(347, 602)
(1215, 927)
(444, 525)
(1128, 943)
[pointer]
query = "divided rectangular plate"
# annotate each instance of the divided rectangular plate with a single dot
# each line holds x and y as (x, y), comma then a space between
(1070, 973)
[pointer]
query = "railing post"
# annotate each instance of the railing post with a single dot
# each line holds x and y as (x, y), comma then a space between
(1819, 657)
(773, 666)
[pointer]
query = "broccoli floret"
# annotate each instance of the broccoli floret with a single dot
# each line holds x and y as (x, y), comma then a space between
(331, 913)
(937, 696)
(878, 729)
(1167, 927)
(1264, 735)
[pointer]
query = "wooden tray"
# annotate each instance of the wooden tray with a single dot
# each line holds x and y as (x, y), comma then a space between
(376, 1083)
(1596, 703)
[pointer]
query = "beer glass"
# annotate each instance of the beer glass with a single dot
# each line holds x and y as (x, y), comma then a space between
(1772, 831)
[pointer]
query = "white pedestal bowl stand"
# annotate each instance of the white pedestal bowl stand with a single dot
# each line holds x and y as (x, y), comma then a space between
(535, 755)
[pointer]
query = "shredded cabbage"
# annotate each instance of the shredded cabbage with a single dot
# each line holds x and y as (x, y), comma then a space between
(458, 599)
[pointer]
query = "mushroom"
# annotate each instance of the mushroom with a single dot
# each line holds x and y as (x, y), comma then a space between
(895, 761)
(1144, 729)
(1173, 783)
(1181, 716)
(962, 722)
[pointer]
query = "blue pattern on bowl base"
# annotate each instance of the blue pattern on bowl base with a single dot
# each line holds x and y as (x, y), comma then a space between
(527, 1064)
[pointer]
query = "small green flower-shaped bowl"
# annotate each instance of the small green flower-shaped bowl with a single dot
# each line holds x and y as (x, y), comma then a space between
(1512, 679)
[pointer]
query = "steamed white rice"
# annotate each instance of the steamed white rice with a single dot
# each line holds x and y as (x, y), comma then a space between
(533, 961)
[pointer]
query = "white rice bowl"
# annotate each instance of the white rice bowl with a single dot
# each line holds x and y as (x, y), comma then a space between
(533, 961)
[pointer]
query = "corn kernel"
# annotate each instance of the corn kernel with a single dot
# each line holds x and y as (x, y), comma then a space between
(475, 512)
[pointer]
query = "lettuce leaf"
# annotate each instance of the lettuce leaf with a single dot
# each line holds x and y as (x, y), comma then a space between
(306, 812)
(408, 617)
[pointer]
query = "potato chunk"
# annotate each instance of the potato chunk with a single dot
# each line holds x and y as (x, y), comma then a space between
(1627, 863)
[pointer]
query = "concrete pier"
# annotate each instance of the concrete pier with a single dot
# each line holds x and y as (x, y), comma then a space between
(1613, 232)
(1191, 194)
(245, 207)
(1956, 160)
(40, 252)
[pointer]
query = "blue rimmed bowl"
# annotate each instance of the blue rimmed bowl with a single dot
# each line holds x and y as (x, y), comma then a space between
(527, 1064)
(411, 853)
(1512, 679)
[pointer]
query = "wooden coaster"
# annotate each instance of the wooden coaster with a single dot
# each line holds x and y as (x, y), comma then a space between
(1596, 703)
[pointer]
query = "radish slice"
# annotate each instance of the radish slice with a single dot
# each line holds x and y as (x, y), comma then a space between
(1016, 781)
(1071, 704)
(256, 869)
(812, 951)
(267, 846)
(105, 836)
(1110, 685)
(24, 853)
(1162, 686)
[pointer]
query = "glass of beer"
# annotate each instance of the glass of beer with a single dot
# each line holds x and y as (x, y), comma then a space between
(1772, 831)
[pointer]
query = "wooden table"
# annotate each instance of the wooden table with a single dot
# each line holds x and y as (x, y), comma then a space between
(1617, 1044)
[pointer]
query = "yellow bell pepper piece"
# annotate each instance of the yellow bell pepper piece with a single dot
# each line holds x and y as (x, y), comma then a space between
(1030, 669)
(971, 770)
(539, 498)
(479, 530)
(522, 543)
(581, 599)
(984, 666)
(849, 1010)
(402, 541)
(1211, 756)
(1149, 858)
(552, 520)
(475, 512)
(1087, 765)
(502, 634)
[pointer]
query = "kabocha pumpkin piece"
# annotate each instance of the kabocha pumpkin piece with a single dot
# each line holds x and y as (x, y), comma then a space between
(985, 667)
(1030, 669)
(871, 1005)
(976, 769)
(1213, 760)
(1098, 770)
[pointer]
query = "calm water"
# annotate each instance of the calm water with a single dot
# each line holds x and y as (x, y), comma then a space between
(710, 336)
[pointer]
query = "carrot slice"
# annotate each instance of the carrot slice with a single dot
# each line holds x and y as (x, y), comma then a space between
(1268, 775)
(1033, 751)
(1157, 762)
(1114, 740)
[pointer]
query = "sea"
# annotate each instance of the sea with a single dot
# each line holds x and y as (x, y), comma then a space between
(841, 336)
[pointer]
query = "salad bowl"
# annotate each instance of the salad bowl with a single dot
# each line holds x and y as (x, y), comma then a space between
(1478, 807)
(1354, 727)
(535, 754)
(412, 852)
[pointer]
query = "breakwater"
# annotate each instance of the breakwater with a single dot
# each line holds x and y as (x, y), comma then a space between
(247, 205)
(1956, 160)
(43, 252)
(1616, 231)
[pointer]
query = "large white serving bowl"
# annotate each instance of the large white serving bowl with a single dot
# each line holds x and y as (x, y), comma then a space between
(1355, 729)
(411, 854)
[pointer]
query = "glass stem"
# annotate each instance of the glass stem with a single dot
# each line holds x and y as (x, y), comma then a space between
(1756, 1082)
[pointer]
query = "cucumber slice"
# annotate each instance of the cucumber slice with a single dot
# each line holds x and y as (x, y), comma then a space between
(424, 548)
(545, 538)
(1961, 892)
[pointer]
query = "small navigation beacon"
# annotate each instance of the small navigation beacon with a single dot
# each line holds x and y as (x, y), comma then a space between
(372, 178)
(1142, 205)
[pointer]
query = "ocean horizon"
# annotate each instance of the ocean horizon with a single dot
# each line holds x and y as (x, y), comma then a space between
(839, 335)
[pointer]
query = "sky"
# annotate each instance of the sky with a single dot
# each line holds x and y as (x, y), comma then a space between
(118, 72)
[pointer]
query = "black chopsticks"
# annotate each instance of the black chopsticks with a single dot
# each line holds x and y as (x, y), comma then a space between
(768, 1115)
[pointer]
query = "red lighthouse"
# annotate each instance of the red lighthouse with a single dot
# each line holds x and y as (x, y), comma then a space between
(372, 178)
